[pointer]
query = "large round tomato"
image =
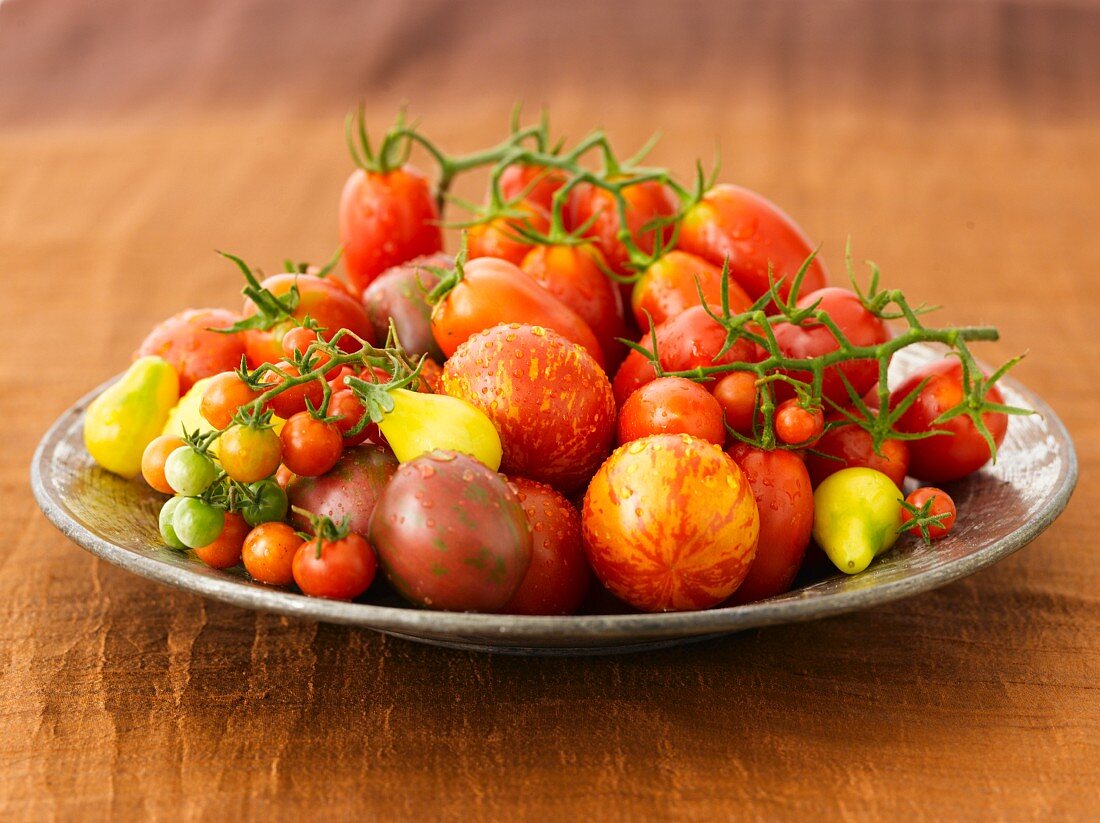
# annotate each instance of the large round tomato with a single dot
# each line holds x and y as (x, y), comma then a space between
(753, 232)
(942, 458)
(645, 202)
(670, 523)
(785, 501)
(386, 219)
(185, 341)
(673, 283)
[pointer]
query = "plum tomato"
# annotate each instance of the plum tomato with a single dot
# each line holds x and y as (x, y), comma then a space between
(197, 523)
(310, 446)
(673, 283)
(558, 577)
(451, 534)
(598, 208)
(796, 425)
(942, 458)
(288, 403)
(851, 446)
(224, 552)
(386, 218)
(670, 524)
(785, 500)
(498, 237)
(152, 461)
(268, 553)
(550, 402)
(249, 453)
(941, 504)
(690, 339)
(186, 341)
(269, 503)
(334, 569)
(400, 294)
(532, 183)
(814, 339)
(350, 489)
(188, 472)
(753, 233)
(735, 392)
(224, 394)
(672, 405)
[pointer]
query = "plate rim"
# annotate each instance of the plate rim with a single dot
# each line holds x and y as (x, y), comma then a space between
(611, 630)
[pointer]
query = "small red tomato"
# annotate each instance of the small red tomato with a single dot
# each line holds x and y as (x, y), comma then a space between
(268, 553)
(850, 446)
(942, 504)
(152, 461)
(558, 577)
(298, 340)
(499, 238)
(672, 405)
(224, 394)
(349, 409)
(335, 569)
(185, 341)
(535, 184)
(795, 425)
(736, 394)
(598, 209)
(292, 401)
(673, 283)
(310, 446)
(225, 551)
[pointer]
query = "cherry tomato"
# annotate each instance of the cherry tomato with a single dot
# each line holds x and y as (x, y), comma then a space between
(645, 202)
(152, 461)
(349, 409)
(942, 458)
(270, 503)
(814, 339)
(736, 394)
(165, 522)
(671, 405)
(796, 425)
(673, 283)
(386, 219)
(224, 394)
(298, 340)
(534, 184)
(310, 447)
(292, 401)
(494, 291)
(185, 341)
(189, 473)
(498, 237)
(853, 447)
(785, 501)
(250, 453)
(197, 523)
(575, 276)
(753, 232)
(268, 553)
(335, 569)
(224, 552)
(941, 504)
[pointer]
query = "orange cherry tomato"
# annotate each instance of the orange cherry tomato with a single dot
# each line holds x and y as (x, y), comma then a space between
(224, 394)
(225, 551)
(152, 461)
(672, 405)
(268, 553)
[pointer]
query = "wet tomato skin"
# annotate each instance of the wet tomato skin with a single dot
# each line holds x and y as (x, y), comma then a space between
(340, 570)
(673, 283)
(941, 504)
(671, 405)
(195, 352)
(350, 489)
(268, 553)
(400, 294)
(670, 524)
(853, 447)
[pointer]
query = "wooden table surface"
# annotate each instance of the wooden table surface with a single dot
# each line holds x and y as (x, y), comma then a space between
(959, 145)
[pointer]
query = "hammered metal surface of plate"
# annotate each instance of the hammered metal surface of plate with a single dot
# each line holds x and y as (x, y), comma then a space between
(1002, 508)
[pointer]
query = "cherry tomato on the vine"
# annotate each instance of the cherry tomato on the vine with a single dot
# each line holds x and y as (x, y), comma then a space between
(310, 446)
(153, 458)
(250, 453)
(293, 400)
(671, 405)
(268, 553)
(498, 237)
(850, 446)
(224, 394)
(942, 504)
(349, 409)
(269, 503)
(796, 425)
(736, 393)
(224, 551)
(534, 184)
(335, 569)
(673, 283)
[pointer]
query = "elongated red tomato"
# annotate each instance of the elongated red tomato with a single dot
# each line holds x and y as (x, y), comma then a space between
(499, 237)
(673, 283)
(494, 291)
(753, 232)
(534, 184)
(386, 219)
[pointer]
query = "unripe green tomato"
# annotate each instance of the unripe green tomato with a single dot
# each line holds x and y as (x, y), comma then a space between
(196, 523)
(167, 531)
(188, 472)
(856, 517)
(270, 504)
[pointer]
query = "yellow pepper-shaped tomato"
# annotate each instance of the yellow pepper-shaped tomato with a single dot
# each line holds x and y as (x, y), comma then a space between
(856, 517)
(420, 423)
(125, 418)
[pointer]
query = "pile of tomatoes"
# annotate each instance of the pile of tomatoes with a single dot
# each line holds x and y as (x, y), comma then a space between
(619, 385)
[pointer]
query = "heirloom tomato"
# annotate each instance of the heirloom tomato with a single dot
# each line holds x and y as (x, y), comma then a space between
(350, 489)
(670, 523)
(249, 453)
(672, 405)
(673, 283)
(499, 237)
(268, 553)
(421, 422)
(856, 517)
(400, 296)
(310, 447)
(225, 393)
(186, 341)
(941, 506)
(646, 202)
(269, 503)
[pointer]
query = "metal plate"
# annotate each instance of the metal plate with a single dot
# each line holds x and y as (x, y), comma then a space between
(1002, 508)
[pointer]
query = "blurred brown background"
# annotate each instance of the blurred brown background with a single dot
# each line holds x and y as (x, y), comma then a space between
(957, 142)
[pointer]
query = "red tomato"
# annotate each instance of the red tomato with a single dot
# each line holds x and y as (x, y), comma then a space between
(310, 447)
(223, 396)
(498, 237)
(672, 405)
(644, 202)
(495, 291)
(268, 553)
(736, 394)
(795, 425)
(853, 448)
(335, 569)
(386, 219)
(152, 461)
(785, 501)
(670, 524)
(941, 504)
(534, 184)
(346, 406)
(673, 283)
(225, 551)
(688, 340)
(752, 232)
(573, 274)
(293, 400)
(558, 576)
(184, 340)
(942, 458)
(813, 340)
(323, 299)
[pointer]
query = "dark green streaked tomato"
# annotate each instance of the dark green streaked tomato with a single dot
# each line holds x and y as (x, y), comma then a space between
(451, 534)
(399, 294)
(350, 489)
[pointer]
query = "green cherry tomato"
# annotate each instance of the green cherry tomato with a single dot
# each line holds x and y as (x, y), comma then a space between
(167, 531)
(188, 472)
(196, 523)
(269, 506)
(856, 517)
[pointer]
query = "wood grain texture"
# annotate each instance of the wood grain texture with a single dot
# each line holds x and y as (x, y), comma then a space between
(959, 143)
